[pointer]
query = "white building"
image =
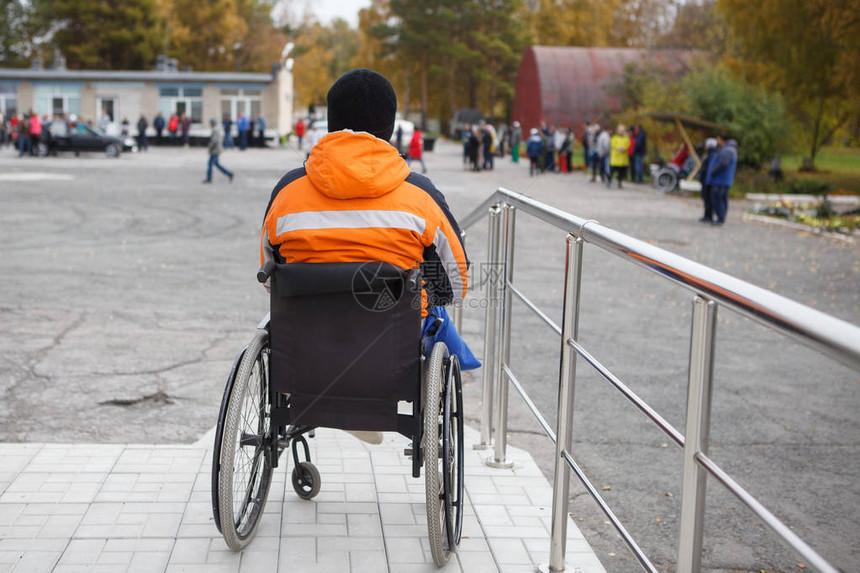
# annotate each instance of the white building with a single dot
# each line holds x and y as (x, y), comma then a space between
(125, 94)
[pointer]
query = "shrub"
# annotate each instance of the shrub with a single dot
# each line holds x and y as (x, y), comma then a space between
(755, 117)
(804, 186)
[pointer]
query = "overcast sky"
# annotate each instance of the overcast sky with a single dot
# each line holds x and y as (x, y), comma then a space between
(327, 10)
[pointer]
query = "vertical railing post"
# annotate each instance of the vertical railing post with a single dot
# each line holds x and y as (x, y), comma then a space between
(457, 309)
(490, 274)
(696, 439)
(499, 459)
(566, 387)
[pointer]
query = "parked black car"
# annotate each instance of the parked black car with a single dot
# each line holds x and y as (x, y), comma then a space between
(62, 135)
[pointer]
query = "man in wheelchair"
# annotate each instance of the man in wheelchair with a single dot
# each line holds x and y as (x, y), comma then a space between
(357, 251)
(356, 200)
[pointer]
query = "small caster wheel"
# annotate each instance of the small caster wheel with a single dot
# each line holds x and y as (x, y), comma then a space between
(306, 480)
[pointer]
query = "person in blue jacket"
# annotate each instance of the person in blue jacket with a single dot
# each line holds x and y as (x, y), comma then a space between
(534, 148)
(721, 176)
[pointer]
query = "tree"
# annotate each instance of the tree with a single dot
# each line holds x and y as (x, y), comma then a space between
(571, 22)
(697, 26)
(808, 50)
(640, 23)
(263, 42)
(20, 27)
(312, 73)
(754, 116)
(458, 50)
(420, 32)
(205, 35)
(498, 43)
(321, 54)
(104, 34)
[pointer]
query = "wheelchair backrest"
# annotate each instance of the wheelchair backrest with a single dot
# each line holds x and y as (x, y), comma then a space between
(345, 342)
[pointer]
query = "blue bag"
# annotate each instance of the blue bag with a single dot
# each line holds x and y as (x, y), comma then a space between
(446, 332)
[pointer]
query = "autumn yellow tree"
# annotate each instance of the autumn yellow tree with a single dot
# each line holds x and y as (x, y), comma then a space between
(808, 50)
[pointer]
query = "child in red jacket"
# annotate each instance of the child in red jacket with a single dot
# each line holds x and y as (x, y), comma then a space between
(416, 149)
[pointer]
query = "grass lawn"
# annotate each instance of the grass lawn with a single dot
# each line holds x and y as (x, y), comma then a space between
(838, 166)
(831, 160)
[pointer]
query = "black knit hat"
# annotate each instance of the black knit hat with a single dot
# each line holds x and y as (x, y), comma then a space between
(362, 100)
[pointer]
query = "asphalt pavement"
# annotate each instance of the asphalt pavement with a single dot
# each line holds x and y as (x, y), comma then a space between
(128, 287)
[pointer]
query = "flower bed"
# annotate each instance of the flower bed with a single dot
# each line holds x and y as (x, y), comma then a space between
(818, 216)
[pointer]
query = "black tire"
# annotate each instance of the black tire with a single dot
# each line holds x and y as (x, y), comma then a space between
(666, 180)
(219, 435)
(433, 476)
(113, 150)
(453, 453)
(306, 480)
(42, 149)
(244, 474)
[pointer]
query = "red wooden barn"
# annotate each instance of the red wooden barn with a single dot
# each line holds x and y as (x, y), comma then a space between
(567, 86)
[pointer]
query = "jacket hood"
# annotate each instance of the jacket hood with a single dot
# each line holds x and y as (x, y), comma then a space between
(348, 165)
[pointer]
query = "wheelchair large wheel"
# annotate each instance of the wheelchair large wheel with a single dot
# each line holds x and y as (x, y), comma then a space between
(666, 180)
(453, 452)
(443, 453)
(244, 474)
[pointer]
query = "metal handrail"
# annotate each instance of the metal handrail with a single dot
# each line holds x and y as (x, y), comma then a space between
(827, 334)
(833, 337)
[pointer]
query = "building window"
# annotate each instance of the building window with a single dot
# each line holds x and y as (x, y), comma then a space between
(244, 101)
(8, 99)
(179, 100)
(57, 99)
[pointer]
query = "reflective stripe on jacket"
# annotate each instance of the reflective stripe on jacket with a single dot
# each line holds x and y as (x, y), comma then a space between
(357, 200)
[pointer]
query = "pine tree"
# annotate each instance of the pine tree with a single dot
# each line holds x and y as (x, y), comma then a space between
(104, 34)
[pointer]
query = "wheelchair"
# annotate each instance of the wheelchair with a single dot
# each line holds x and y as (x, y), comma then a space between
(342, 347)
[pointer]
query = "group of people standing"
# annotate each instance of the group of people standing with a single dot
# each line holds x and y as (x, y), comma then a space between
(22, 131)
(249, 131)
(481, 144)
(550, 149)
(610, 156)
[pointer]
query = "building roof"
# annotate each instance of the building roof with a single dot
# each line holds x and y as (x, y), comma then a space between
(133, 76)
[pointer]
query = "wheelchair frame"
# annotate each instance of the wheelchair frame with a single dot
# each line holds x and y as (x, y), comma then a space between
(254, 429)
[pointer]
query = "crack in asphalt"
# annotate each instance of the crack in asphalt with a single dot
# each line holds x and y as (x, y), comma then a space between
(40, 354)
(157, 371)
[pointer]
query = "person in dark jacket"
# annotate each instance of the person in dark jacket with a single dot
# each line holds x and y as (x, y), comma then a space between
(721, 175)
(474, 148)
(487, 145)
(227, 124)
(185, 127)
(710, 153)
(158, 125)
(142, 124)
(640, 149)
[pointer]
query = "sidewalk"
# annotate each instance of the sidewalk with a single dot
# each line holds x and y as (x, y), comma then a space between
(144, 508)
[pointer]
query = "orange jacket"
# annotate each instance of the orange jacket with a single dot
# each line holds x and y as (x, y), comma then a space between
(356, 200)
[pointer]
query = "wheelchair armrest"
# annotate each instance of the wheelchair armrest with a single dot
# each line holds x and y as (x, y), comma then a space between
(265, 271)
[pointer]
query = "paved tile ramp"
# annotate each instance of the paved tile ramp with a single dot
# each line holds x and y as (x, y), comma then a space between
(142, 508)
